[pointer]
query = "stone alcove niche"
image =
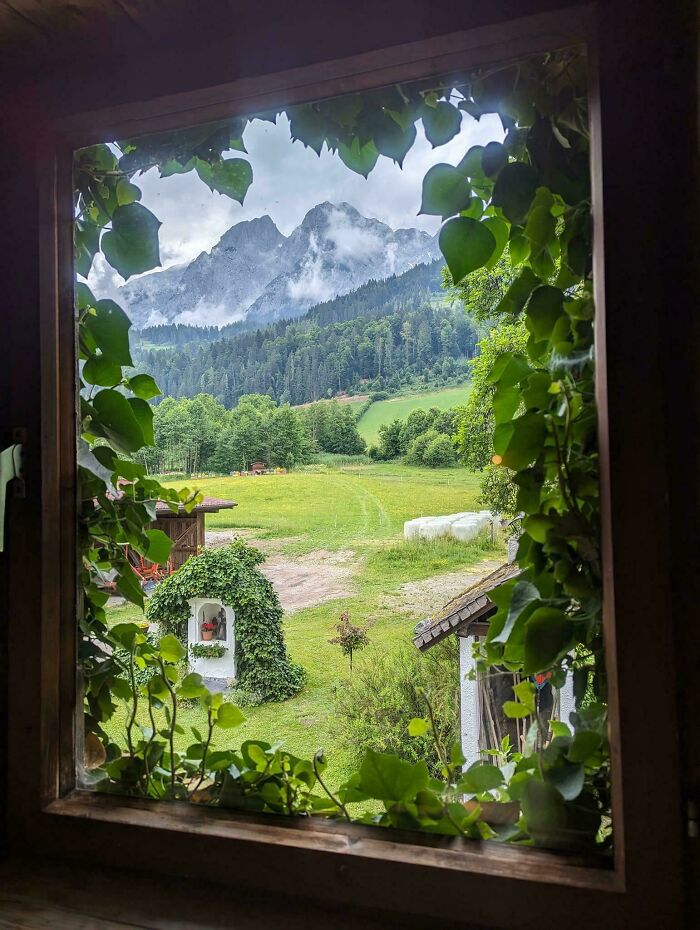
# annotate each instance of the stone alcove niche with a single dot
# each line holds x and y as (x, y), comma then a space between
(212, 610)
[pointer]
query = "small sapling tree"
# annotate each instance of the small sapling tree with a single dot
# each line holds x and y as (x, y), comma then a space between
(350, 638)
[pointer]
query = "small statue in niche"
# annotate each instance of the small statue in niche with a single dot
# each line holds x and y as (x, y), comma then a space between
(220, 621)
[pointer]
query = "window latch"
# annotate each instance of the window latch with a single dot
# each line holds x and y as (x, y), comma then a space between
(692, 809)
(10, 469)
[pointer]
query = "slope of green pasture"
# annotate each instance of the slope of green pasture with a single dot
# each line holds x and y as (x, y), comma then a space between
(384, 411)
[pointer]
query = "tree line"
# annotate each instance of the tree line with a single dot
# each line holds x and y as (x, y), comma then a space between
(199, 434)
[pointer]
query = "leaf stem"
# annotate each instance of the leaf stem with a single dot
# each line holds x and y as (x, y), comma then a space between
(330, 794)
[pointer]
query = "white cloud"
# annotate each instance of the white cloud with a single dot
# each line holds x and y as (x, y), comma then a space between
(351, 243)
(312, 283)
(207, 314)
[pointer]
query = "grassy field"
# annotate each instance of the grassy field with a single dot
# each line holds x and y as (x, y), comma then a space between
(359, 511)
(384, 411)
(353, 506)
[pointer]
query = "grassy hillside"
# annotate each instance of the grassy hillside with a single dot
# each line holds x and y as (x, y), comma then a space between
(384, 411)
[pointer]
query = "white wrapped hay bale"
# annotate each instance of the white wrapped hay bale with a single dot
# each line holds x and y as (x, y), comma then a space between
(434, 527)
(463, 526)
(411, 528)
(466, 529)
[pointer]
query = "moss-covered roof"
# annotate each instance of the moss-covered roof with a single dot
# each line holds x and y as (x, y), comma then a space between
(466, 608)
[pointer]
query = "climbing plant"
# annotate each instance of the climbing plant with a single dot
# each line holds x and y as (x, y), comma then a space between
(230, 574)
(526, 200)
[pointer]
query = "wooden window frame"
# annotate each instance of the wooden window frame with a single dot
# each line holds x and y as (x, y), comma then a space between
(483, 883)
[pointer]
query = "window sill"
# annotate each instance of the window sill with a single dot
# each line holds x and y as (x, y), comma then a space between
(349, 841)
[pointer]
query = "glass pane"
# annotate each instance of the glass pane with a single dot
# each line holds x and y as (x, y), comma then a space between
(339, 461)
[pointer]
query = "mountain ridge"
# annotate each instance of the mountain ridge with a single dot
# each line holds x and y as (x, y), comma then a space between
(256, 275)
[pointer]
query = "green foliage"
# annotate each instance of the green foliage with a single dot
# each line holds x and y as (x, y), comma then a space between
(186, 433)
(374, 709)
(332, 427)
(475, 426)
(415, 453)
(231, 575)
(207, 650)
(439, 453)
(498, 493)
(481, 291)
(424, 437)
(200, 435)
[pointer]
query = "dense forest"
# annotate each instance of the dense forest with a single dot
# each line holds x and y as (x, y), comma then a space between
(385, 335)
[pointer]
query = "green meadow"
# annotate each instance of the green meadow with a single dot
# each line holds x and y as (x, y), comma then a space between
(384, 411)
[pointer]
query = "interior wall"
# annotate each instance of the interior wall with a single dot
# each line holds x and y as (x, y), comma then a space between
(653, 137)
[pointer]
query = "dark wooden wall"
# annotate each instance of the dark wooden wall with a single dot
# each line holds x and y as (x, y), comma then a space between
(187, 532)
(648, 67)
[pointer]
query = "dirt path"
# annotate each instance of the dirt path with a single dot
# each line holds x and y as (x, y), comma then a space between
(420, 599)
(323, 575)
(301, 581)
(311, 579)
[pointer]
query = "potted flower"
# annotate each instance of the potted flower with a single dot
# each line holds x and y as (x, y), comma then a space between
(207, 629)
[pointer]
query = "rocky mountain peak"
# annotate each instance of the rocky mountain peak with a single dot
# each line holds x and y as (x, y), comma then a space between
(261, 228)
(256, 274)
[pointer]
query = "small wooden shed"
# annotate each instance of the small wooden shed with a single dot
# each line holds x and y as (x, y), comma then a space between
(482, 722)
(187, 529)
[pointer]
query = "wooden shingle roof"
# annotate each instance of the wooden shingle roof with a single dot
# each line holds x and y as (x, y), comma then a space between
(208, 505)
(469, 607)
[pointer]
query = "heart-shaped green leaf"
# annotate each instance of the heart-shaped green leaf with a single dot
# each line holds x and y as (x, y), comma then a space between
(548, 636)
(115, 420)
(131, 245)
(514, 190)
(109, 327)
(467, 245)
(159, 546)
(144, 386)
(445, 191)
(229, 716)
(441, 122)
(357, 157)
(171, 649)
(232, 176)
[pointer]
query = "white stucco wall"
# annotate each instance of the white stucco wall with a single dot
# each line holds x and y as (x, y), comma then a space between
(225, 665)
(469, 702)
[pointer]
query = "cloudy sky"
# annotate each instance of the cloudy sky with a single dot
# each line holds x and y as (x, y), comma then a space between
(288, 180)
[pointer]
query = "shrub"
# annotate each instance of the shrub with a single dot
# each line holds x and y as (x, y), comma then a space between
(374, 709)
(416, 448)
(338, 459)
(439, 453)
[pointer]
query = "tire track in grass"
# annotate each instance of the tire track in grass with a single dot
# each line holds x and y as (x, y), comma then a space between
(365, 497)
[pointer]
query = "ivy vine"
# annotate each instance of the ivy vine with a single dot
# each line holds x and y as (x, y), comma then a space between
(230, 574)
(526, 200)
